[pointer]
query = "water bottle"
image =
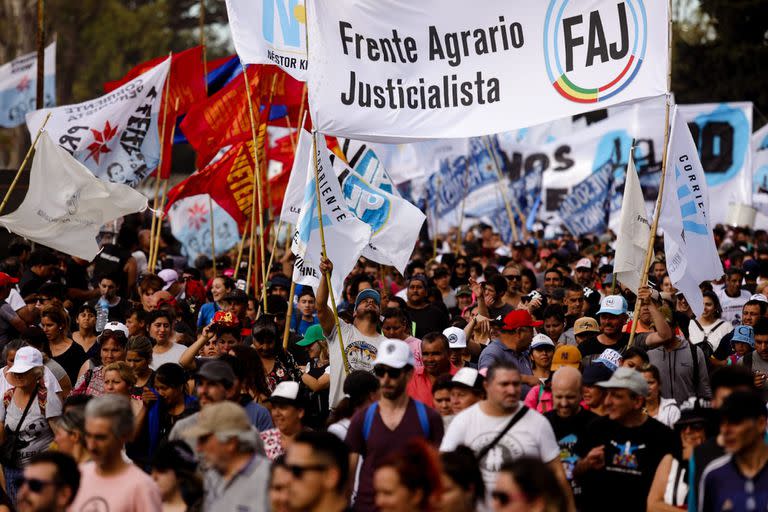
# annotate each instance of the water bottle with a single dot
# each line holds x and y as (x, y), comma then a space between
(102, 314)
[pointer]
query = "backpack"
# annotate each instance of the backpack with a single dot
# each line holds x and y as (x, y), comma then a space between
(370, 414)
(705, 345)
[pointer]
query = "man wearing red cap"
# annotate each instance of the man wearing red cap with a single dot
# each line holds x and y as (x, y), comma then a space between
(515, 336)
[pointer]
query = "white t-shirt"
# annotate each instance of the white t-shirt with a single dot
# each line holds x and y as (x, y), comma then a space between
(171, 356)
(531, 436)
(732, 305)
(361, 353)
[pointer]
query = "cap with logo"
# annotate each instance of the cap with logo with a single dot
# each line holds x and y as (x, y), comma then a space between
(542, 341)
(169, 276)
(626, 378)
(613, 305)
(311, 335)
(744, 334)
(609, 358)
(585, 324)
(394, 353)
(566, 355)
(515, 319)
(456, 337)
(25, 359)
(468, 378)
(368, 293)
(585, 263)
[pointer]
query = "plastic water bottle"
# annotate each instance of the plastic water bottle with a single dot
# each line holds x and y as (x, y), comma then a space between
(102, 314)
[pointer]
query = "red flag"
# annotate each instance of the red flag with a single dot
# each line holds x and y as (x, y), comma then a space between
(229, 181)
(185, 85)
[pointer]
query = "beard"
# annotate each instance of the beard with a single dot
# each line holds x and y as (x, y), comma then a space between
(368, 315)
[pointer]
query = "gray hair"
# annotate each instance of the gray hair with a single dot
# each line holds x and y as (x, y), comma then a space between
(117, 409)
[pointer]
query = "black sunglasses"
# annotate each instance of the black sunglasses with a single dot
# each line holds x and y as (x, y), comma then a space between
(513, 277)
(381, 371)
(298, 471)
(35, 484)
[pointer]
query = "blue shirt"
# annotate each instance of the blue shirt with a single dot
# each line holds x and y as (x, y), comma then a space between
(723, 487)
(206, 314)
(497, 351)
(259, 416)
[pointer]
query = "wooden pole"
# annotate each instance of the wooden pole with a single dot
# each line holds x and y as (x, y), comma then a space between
(271, 258)
(40, 94)
(158, 171)
(240, 249)
(325, 254)
(213, 237)
(657, 213)
(302, 107)
(165, 193)
(289, 314)
(23, 164)
(502, 189)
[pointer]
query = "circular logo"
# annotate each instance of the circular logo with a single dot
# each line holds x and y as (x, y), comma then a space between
(591, 56)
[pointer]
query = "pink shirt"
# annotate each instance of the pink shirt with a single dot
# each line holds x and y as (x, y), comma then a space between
(415, 345)
(132, 490)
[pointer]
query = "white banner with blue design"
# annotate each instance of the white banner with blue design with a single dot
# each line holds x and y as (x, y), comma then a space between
(587, 207)
(18, 86)
(190, 221)
(760, 176)
(689, 244)
(270, 32)
(346, 236)
(399, 71)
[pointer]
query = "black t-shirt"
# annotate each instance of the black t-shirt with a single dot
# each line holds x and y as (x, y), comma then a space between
(568, 432)
(592, 347)
(116, 312)
(631, 458)
(500, 311)
(429, 319)
(71, 360)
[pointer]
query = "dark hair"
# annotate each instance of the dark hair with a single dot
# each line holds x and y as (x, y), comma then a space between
(499, 365)
(432, 337)
(358, 386)
(761, 327)
(111, 277)
(86, 307)
(67, 472)
(176, 456)
(442, 382)
(526, 272)
(159, 313)
(18, 247)
(35, 337)
(553, 270)
(400, 301)
(357, 281)
(56, 314)
(633, 351)
(254, 378)
(732, 271)
(417, 464)
(736, 376)
(141, 315)
(41, 257)
(329, 447)
(759, 303)
(142, 345)
(554, 311)
(536, 480)
(276, 305)
(172, 375)
(499, 284)
(715, 300)
(400, 314)
(462, 467)
(306, 290)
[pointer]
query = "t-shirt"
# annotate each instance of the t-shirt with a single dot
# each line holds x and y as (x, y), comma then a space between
(7, 314)
(428, 319)
(131, 490)
(631, 458)
(246, 491)
(592, 347)
(420, 387)
(531, 436)
(170, 356)
(724, 487)
(361, 353)
(497, 351)
(568, 431)
(35, 434)
(382, 442)
(71, 360)
(732, 306)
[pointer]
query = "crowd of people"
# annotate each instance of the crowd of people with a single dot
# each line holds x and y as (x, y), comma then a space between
(491, 376)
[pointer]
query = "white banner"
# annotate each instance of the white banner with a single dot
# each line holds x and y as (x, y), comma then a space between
(190, 221)
(402, 70)
(297, 181)
(18, 86)
(270, 32)
(115, 136)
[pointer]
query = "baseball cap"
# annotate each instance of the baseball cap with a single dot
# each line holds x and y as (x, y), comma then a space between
(312, 334)
(751, 269)
(609, 358)
(236, 295)
(217, 371)
(515, 319)
(168, 275)
(469, 378)
(281, 281)
(584, 263)
(613, 305)
(566, 355)
(542, 340)
(114, 327)
(744, 334)
(456, 337)
(463, 290)
(760, 297)
(25, 359)
(585, 324)
(286, 392)
(394, 353)
(626, 378)
(220, 418)
(6, 280)
(742, 405)
(518, 244)
(368, 293)
(595, 373)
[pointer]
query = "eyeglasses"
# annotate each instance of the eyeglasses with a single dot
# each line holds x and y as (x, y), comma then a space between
(381, 371)
(512, 277)
(298, 471)
(35, 484)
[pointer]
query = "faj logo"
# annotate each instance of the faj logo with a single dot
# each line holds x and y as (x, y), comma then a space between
(592, 56)
(286, 16)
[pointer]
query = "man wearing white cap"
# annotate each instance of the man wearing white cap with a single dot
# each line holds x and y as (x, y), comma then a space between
(584, 273)
(457, 343)
(385, 426)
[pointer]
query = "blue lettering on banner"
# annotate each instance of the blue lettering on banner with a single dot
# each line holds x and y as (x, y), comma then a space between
(310, 221)
(690, 204)
(722, 138)
(368, 204)
(586, 208)
(285, 15)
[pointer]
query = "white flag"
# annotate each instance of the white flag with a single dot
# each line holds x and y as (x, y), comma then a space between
(116, 135)
(688, 241)
(18, 86)
(345, 235)
(634, 231)
(297, 181)
(270, 32)
(66, 205)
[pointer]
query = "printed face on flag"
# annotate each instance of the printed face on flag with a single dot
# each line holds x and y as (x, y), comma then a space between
(115, 136)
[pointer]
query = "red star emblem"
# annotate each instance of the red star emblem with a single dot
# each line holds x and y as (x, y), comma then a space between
(23, 85)
(198, 215)
(101, 138)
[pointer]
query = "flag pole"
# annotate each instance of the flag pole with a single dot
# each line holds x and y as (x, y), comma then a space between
(213, 238)
(502, 189)
(657, 213)
(325, 254)
(272, 257)
(289, 314)
(164, 194)
(240, 249)
(23, 164)
(158, 170)
(40, 95)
